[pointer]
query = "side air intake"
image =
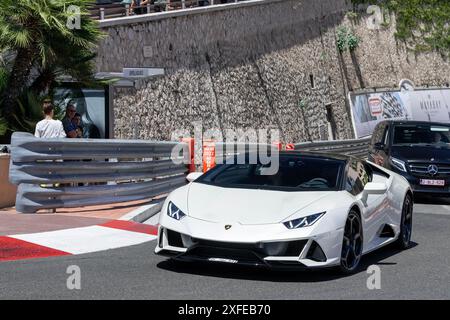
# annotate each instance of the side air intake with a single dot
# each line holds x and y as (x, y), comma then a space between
(387, 232)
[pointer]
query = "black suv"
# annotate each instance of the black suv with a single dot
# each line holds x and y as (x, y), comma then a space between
(420, 151)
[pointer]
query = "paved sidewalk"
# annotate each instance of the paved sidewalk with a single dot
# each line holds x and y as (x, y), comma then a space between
(12, 222)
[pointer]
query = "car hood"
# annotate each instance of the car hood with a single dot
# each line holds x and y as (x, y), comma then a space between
(247, 206)
(424, 153)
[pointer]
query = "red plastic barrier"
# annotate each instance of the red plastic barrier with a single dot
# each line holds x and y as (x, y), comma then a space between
(191, 143)
(278, 144)
(209, 154)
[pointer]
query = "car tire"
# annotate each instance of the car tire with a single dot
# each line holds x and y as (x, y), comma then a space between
(352, 244)
(404, 238)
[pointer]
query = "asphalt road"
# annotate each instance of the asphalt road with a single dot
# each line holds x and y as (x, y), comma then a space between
(421, 272)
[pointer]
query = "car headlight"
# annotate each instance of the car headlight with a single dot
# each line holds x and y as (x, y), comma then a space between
(303, 222)
(399, 164)
(174, 212)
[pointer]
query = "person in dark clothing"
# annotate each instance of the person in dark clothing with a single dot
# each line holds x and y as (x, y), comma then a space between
(69, 127)
(76, 120)
(91, 131)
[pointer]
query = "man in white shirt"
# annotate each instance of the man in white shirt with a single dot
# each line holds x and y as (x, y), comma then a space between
(49, 128)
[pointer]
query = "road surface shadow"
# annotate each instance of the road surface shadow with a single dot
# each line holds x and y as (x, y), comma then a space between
(221, 270)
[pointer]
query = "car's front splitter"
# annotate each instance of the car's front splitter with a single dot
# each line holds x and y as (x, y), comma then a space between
(299, 253)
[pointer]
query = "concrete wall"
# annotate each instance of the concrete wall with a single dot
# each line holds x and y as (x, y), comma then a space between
(249, 66)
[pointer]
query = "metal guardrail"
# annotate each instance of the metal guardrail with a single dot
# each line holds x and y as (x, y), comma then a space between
(224, 150)
(64, 173)
(117, 9)
(358, 148)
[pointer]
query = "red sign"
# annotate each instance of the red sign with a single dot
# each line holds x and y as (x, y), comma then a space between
(375, 106)
(290, 147)
(209, 155)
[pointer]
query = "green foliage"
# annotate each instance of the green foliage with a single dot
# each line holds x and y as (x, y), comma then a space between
(352, 41)
(42, 22)
(352, 15)
(28, 113)
(424, 25)
(3, 78)
(302, 104)
(346, 39)
(34, 34)
(3, 126)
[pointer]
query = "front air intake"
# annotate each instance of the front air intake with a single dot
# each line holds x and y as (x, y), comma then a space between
(315, 253)
(174, 239)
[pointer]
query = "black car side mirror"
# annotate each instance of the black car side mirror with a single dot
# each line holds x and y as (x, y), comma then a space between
(379, 146)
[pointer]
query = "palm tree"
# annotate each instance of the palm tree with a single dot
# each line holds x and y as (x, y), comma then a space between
(36, 33)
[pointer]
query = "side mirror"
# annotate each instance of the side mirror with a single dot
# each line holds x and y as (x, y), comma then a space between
(379, 146)
(375, 188)
(193, 176)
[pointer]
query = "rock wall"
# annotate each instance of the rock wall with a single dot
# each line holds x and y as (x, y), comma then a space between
(383, 61)
(251, 67)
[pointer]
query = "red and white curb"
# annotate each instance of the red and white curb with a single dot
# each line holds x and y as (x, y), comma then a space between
(110, 235)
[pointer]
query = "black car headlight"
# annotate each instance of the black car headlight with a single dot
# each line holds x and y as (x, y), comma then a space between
(303, 222)
(398, 164)
(174, 212)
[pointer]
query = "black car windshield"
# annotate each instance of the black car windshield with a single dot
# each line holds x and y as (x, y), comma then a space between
(295, 173)
(423, 134)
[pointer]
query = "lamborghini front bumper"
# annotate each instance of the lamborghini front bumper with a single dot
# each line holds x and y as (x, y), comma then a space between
(287, 253)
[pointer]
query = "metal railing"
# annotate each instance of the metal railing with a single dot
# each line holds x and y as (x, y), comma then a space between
(224, 150)
(358, 148)
(117, 9)
(64, 173)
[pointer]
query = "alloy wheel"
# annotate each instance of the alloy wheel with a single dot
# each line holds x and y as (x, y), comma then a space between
(352, 243)
(406, 222)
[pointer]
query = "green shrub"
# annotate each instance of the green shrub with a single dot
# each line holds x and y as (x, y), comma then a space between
(423, 25)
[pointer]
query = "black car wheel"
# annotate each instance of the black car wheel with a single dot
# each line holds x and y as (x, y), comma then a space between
(352, 244)
(404, 238)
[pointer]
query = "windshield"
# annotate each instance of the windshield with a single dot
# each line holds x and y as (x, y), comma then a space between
(296, 173)
(424, 134)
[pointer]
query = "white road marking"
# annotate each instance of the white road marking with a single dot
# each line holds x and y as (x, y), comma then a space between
(86, 239)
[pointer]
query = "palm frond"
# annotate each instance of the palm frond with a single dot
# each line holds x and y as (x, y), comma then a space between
(53, 49)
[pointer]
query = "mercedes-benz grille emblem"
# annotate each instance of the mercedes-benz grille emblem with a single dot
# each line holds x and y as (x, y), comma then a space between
(228, 226)
(433, 170)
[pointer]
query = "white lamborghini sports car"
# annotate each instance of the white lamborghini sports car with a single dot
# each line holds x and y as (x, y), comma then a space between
(318, 210)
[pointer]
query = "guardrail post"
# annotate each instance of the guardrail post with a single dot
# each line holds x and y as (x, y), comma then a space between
(102, 13)
(183, 4)
(127, 9)
(212, 2)
(148, 7)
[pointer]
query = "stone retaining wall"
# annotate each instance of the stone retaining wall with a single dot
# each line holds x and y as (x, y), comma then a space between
(252, 67)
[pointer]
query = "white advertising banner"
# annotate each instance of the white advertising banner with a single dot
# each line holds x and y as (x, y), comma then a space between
(368, 109)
